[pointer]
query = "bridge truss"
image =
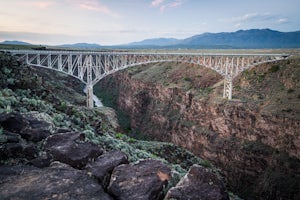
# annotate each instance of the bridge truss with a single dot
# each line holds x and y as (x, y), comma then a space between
(91, 67)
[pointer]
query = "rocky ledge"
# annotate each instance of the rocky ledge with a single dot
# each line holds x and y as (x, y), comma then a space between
(37, 163)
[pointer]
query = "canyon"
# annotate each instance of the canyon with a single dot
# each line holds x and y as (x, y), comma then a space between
(247, 146)
(254, 139)
(53, 147)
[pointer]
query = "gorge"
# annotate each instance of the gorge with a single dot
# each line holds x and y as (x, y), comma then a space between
(49, 138)
(254, 139)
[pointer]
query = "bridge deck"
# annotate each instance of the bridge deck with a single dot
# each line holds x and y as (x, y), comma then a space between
(138, 53)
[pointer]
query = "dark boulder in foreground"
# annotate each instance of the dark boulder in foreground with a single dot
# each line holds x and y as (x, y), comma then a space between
(141, 181)
(71, 148)
(199, 183)
(26, 126)
(59, 181)
(104, 165)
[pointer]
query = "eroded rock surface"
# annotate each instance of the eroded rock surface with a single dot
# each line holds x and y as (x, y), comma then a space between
(59, 181)
(103, 166)
(70, 148)
(26, 126)
(140, 181)
(198, 183)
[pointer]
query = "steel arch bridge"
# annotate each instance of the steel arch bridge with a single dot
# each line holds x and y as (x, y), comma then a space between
(91, 67)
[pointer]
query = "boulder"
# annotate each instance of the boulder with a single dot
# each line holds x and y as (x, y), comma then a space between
(35, 135)
(18, 150)
(11, 137)
(143, 180)
(13, 122)
(41, 161)
(13, 150)
(59, 181)
(30, 151)
(198, 183)
(27, 126)
(7, 171)
(71, 148)
(103, 166)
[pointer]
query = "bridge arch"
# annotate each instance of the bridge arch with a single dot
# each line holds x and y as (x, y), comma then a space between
(91, 67)
(135, 65)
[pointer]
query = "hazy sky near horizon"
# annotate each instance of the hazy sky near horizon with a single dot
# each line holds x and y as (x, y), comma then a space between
(109, 22)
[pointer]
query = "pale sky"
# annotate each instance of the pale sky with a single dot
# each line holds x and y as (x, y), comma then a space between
(110, 22)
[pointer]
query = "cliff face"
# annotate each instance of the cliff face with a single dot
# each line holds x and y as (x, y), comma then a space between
(256, 146)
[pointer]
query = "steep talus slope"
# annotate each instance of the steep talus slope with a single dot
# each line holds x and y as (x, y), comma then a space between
(254, 138)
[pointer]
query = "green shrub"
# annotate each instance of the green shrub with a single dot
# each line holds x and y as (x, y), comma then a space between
(261, 77)
(11, 81)
(187, 79)
(274, 68)
(119, 135)
(206, 163)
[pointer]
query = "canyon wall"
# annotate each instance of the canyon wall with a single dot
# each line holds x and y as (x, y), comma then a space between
(257, 151)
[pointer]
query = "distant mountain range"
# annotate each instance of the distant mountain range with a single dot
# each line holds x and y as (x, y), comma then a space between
(15, 42)
(254, 38)
(156, 42)
(81, 46)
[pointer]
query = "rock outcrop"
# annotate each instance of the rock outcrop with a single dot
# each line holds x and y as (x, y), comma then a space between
(198, 183)
(71, 148)
(64, 165)
(143, 180)
(59, 181)
(103, 166)
(28, 127)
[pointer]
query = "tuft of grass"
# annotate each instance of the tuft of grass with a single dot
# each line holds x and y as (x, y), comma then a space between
(206, 163)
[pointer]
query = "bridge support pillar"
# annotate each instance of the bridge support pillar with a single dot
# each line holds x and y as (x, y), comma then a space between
(227, 88)
(89, 96)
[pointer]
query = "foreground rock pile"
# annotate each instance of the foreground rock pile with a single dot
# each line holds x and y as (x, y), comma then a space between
(39, 164)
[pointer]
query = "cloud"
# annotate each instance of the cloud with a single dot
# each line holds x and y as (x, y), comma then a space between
(282, 21)
(156, 3)
(250, 17)
(165, 4)
(256, 19)
(94, 5)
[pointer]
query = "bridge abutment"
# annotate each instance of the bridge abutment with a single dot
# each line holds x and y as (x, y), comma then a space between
(89, 96)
